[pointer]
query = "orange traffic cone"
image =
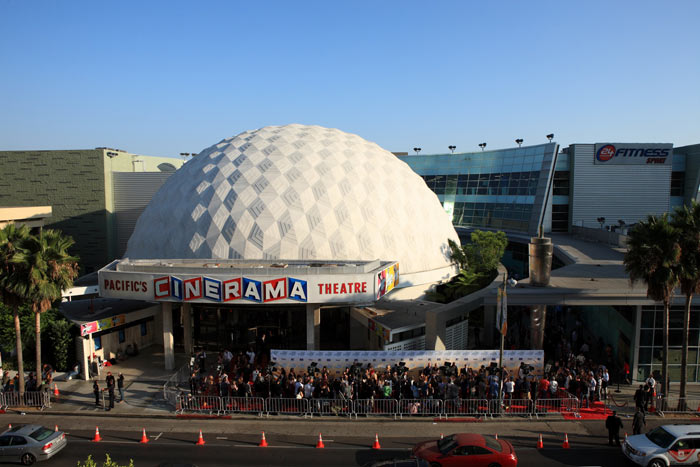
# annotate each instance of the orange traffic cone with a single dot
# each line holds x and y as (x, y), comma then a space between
(56, 428)
(200, 441)
(566, 441)
(320, 445)
(540, 445)
(97, 435)
(263, 442)
(144, 438)
(441, 436)
(496, 436)
(376, 442)
(9, 426)
(625, 437)
(55, 390)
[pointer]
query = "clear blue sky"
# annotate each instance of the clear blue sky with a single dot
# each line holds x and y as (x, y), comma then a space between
(160, 78)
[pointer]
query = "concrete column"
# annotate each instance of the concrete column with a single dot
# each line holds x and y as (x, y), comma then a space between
(86, 352)
(435, 331)
(186, 311)
(538, 315)
(168, 351)
(313, 327)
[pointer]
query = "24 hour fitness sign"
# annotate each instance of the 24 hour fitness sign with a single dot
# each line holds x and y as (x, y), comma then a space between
(633, 154)
(331, 288)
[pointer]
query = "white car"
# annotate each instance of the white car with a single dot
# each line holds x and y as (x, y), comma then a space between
(665, 446)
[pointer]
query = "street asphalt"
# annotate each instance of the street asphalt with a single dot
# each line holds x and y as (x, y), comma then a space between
(292, 442)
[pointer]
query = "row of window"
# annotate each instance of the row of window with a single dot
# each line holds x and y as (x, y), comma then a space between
(677, 183)
(516, 183)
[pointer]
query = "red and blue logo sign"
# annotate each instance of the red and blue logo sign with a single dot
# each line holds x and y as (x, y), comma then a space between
(196, 288)
(605, 153)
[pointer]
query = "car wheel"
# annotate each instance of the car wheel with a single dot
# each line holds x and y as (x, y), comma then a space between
(657, 463)
(28, 459)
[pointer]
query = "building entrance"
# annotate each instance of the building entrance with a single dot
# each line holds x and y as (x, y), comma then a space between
(239, 327)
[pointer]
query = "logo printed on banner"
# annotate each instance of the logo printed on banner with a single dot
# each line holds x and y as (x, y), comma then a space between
(176, 287)
(297, 289)
(193, 288)
(224, 291)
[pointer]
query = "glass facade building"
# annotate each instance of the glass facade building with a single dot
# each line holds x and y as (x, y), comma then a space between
(503, 189)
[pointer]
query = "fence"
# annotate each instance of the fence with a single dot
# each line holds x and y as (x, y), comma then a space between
(287, 406)
(243, 405)
(41, 399)
(173, 387)
(380, 407)
(199, 404)
(677, 405)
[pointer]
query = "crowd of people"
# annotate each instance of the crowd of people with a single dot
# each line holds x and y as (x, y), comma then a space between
(244, 375)
(31, 382)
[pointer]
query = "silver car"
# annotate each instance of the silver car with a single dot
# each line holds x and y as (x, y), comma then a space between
(30, 443)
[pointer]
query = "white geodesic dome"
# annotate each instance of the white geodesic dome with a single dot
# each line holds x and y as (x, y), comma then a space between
(296, 192)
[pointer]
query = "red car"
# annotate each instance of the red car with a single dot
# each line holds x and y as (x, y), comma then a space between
(467, 449)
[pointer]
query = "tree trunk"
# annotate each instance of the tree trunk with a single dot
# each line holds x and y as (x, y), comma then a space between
(37, 318)
(18, 344)
(684, 352)
(665, 385)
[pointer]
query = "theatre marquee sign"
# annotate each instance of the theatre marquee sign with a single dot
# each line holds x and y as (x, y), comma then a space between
(250, 289)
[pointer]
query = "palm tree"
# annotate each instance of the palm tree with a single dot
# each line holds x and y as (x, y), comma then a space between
(11, 240)
(48, 270)
(687, 221)
(652, 257)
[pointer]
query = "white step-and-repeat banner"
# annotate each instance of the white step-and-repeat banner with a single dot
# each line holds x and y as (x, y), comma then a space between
(416, 360)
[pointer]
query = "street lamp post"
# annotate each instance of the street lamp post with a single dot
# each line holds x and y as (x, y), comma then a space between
(502, 322)
(452, 148)
(482, 146)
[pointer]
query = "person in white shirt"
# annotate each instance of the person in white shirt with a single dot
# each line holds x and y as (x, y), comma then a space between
(508, 388)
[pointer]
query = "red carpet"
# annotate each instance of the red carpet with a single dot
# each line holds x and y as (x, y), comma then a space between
(596, 411)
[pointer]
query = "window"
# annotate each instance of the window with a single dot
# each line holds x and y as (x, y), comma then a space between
(122, 336)
(18, 441)
(677, 183)
(5, 440)
(561, 183)
(41, 434)
(144, 329)
(98, 342)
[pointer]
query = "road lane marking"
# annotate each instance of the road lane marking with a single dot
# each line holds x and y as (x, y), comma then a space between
(159, 435)
(221, 437)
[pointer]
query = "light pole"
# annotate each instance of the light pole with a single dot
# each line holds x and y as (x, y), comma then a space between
(519, 141)
(452, 148)
(550, 137)
(502, 324)
(417, 150)
(482, 146)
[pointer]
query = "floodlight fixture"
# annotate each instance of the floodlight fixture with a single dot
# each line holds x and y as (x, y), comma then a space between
(519, 142)
(452, 148)
(550, 137)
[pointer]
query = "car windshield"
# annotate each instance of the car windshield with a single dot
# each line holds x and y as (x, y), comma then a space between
(41, 434)
(446, 444)
(660, 437)
(492, 444)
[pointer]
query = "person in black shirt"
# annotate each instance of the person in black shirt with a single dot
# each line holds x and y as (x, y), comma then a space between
(613, 424)
(109, 380)
(120, 386)
(96, 391)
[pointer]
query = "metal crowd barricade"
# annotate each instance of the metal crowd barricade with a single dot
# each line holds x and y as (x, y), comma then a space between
(199, 404)
(549, 406)
(331, 407)
(243, 405)
(420, 407)
(376, 407)
(40, 399)
(287, 406)
(517, 407)
(2, 400)
(470, 407)
(677, 405)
